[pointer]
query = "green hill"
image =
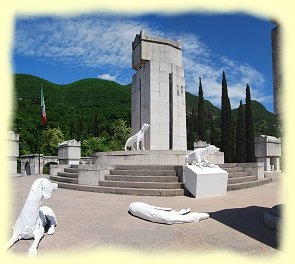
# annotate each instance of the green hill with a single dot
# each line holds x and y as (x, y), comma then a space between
(88, 107)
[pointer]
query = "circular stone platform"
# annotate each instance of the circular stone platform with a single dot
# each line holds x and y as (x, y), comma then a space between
(273, 217)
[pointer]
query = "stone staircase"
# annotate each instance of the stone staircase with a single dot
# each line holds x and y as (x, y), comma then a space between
(130, 180)
(151, 180)
(239, 178)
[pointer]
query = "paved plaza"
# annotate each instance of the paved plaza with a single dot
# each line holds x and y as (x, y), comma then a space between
(88, 220)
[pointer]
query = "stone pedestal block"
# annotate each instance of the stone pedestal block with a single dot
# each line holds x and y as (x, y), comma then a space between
(69, 152)
(13, 140)
(268, 151)
(205, 182)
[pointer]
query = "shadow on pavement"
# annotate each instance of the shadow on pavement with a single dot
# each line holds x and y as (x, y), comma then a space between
(249, 221)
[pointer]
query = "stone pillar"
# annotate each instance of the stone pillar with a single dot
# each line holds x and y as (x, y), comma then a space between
(69, 152)
(14, 152)
(158, 92)
(268, 151)
(276, 70)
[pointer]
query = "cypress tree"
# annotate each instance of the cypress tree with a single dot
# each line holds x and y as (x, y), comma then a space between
(201, 114)
(213, 137)
(226, 124)
(240, 135)
(249, 131)
(190, 131)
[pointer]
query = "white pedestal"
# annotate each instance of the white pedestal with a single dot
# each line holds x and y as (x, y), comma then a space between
(207, 182)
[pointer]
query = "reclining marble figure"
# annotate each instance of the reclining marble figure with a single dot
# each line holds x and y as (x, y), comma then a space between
(164, 215)
(138, 137)
(33, 218)
(199, 156)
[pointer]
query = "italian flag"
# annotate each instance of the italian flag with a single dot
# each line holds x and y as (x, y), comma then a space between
(43, 111)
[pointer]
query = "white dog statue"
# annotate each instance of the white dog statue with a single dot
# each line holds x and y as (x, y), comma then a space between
(199, 156)
(33, 218)
(164, 215)
(138, 137)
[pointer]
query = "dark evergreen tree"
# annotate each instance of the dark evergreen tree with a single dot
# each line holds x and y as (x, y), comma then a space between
(240, 135)
(190, 131)
(201, 130)
(227, 145)
(213, 137)
(249, 131)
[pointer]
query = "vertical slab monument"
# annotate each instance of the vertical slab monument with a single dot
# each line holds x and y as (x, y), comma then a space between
(158, 92)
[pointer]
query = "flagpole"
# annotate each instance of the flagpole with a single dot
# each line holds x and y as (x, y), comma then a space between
(41, 124)
(40, 127)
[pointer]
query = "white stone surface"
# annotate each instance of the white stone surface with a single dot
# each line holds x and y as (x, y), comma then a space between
(205, 182)
(13, 140)
(148, 157)
(69, 152)
(268, 151)
(155, 59)
(137, 139)
(29, 223)
(165, 215)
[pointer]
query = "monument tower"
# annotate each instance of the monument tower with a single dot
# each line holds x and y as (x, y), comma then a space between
(158, 92)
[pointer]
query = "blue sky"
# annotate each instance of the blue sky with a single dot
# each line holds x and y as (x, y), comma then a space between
(64, 49)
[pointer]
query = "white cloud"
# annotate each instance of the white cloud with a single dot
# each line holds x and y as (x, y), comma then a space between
(105, 42)
(107, 76)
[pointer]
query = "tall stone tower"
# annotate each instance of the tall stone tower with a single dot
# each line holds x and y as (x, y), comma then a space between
(158, 92)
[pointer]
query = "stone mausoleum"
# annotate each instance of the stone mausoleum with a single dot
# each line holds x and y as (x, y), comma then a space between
(158, 92)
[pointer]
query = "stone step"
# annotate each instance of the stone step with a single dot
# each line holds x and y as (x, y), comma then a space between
(74, 166)
(233, 169)
(126, 191)
(144, 185)
(228, 165)
(144, 167)
(131, 178)
(64, 179)
(238, 174)
(67, 174)
(241, 179)
(237, 186)
(144, 172)
(71, 170)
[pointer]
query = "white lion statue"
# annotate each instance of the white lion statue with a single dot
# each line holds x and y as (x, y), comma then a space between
(33, 219)
(138, 137)
(199, 156)
(164, 215)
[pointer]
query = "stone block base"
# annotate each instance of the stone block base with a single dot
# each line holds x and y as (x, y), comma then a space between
(207, 182)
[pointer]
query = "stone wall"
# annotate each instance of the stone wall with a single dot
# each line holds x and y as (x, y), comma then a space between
(148, 157)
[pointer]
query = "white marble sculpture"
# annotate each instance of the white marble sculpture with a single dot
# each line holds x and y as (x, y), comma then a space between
(138, 137)
(199, 156)
(33, 218)
(164, 215)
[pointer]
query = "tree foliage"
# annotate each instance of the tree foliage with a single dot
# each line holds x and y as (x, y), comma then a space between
(92, 107)
(227, 144)
(50, 139)
(240, 136)
(249, 132)
(201, 129)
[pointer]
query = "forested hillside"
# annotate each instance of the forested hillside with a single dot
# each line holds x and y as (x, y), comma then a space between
(95, 111)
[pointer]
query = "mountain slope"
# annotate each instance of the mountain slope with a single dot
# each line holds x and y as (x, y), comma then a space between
(88, 107)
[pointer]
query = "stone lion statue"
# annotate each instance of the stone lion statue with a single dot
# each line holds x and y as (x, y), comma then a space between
(164, 215)
(138, 137)
(33, 219)
(199, 155)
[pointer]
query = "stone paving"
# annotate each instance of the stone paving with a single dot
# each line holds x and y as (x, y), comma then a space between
(88, 220)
